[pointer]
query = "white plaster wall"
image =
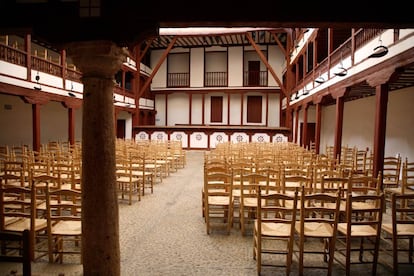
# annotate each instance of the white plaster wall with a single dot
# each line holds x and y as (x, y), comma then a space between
(160, 78)
(180, 136)
(274, 110)
(217, 138)
(178, 63)
(276, 60)
(327, 127)
(178, 109)
(235, 67)
(359, 124)
(15, 121)
(400, 124)
(197, 67)
(197, 109)
(160, 108)
(235, 109)
(11, 69)
(216, 61)
(53, 122)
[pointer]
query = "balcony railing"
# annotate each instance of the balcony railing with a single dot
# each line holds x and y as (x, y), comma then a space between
(46, 66)
(178, 80)
(215, 79)
(255, 78)
(361, 37)
(12, 55)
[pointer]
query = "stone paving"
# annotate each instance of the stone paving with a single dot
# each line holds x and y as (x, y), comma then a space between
(165, 234)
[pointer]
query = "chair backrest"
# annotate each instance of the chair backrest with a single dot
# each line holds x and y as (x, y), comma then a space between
(276, 208)
(319, 208)
(364, 210)
(23, 256)
(214, 180)
(15, 204)
(331, 184)
(407, 176)
(402, 211)
(291, 182)
(16, 168)
(362, 184)
(360, 159)
(392, 169)
(63, 204)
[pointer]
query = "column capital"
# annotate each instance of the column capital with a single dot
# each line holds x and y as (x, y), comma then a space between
(97, 58)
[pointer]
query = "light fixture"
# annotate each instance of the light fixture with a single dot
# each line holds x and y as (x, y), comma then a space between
(305, 91)
(37, 78)
(320, 79)
(342, 71)
(297, 95)
(71, 94)
(379, 51)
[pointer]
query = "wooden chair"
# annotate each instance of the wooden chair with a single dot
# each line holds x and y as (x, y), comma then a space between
(209, 168)
(250, 183)
(391, 172)
(128, 184)
(19, 212)
(140, 170)
(18, 256)
(274, 229)
(331, 185)
(218, 201)
(400, 229)
(361, 232)
(319, 215)
(360, 159)
(407, 181)
(364, 185)
(64, 226)
(16, 168)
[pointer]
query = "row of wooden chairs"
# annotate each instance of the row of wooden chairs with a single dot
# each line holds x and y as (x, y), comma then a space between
(51, 213)
(360, 207)
(314, 227)
(141, 164)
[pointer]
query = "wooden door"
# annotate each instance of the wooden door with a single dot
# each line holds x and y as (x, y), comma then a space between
(254, 73)
(120, 128)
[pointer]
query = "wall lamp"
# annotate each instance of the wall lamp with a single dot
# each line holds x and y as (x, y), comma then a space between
(320, 79)
(379, 51)
(37, 78)
(341, 71)
(297, 95)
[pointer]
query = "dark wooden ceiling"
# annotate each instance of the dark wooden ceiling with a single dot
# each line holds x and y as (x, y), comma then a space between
(127, 22)
(259, 36)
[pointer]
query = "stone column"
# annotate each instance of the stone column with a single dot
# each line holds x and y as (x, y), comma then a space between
(98, 61)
